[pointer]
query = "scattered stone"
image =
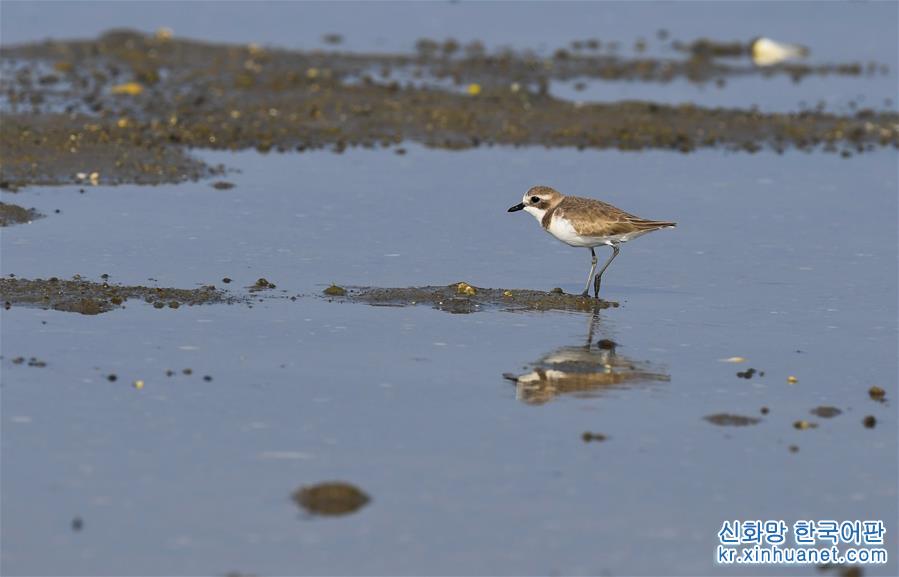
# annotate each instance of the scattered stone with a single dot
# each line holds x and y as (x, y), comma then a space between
(606, 344)
(332, 498)
(588, 437)
(803, 425)
(77, 524)
(877, 393)
(335, 291)
(262, 284)
(222, 185)
(869, 422)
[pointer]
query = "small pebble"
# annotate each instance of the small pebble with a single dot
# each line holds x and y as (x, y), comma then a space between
(803, 425)
(870, 422)
(207, 378)
(77, 524)
(792, 380)
(826, 412)
(112, 378)
(332, 498)
(877, 393)
(335, 291)
(138, 384)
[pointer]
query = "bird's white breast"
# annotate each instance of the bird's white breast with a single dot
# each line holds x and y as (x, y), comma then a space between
(563, 230)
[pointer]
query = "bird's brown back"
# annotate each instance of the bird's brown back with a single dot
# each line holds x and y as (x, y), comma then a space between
(591, 217)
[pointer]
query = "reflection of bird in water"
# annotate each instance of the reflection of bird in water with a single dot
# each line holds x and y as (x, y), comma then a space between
(586, 371)
(767, 52)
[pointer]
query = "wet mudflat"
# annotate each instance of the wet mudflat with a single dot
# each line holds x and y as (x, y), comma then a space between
(91, 298)
(463, 298)
(11, 214)
(126, 106)
(747, 372)
(415, 407)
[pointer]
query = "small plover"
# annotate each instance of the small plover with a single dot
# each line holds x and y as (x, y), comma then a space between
(585, 222)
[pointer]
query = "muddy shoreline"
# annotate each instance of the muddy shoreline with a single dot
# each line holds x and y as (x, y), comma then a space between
(127, 106)
(91, 298)
(11, 214)
(463, 298)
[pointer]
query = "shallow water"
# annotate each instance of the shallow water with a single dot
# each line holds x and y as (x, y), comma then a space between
(772, 254)
(787, 260)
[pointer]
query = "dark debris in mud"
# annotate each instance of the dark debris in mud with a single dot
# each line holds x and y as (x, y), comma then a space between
(826, 412)
(463, 298)
(126, 106)
(32, 362)
(589, 437)
(91, 298)
(13, 214)
(729, 420)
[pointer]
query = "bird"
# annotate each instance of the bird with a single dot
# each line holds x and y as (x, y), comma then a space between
(585, 222)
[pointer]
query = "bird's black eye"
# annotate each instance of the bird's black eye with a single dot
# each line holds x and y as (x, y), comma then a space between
(535, 199)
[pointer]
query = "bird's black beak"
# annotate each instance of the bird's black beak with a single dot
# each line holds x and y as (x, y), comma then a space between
(517, 207)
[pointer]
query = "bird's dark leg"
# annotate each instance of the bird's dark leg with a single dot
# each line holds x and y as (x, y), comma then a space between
(590, 275)
(598, 279)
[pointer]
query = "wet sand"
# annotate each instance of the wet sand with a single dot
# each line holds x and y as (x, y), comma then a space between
(91, 298)
(14, 214)
(463, 298)
(153, 98)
